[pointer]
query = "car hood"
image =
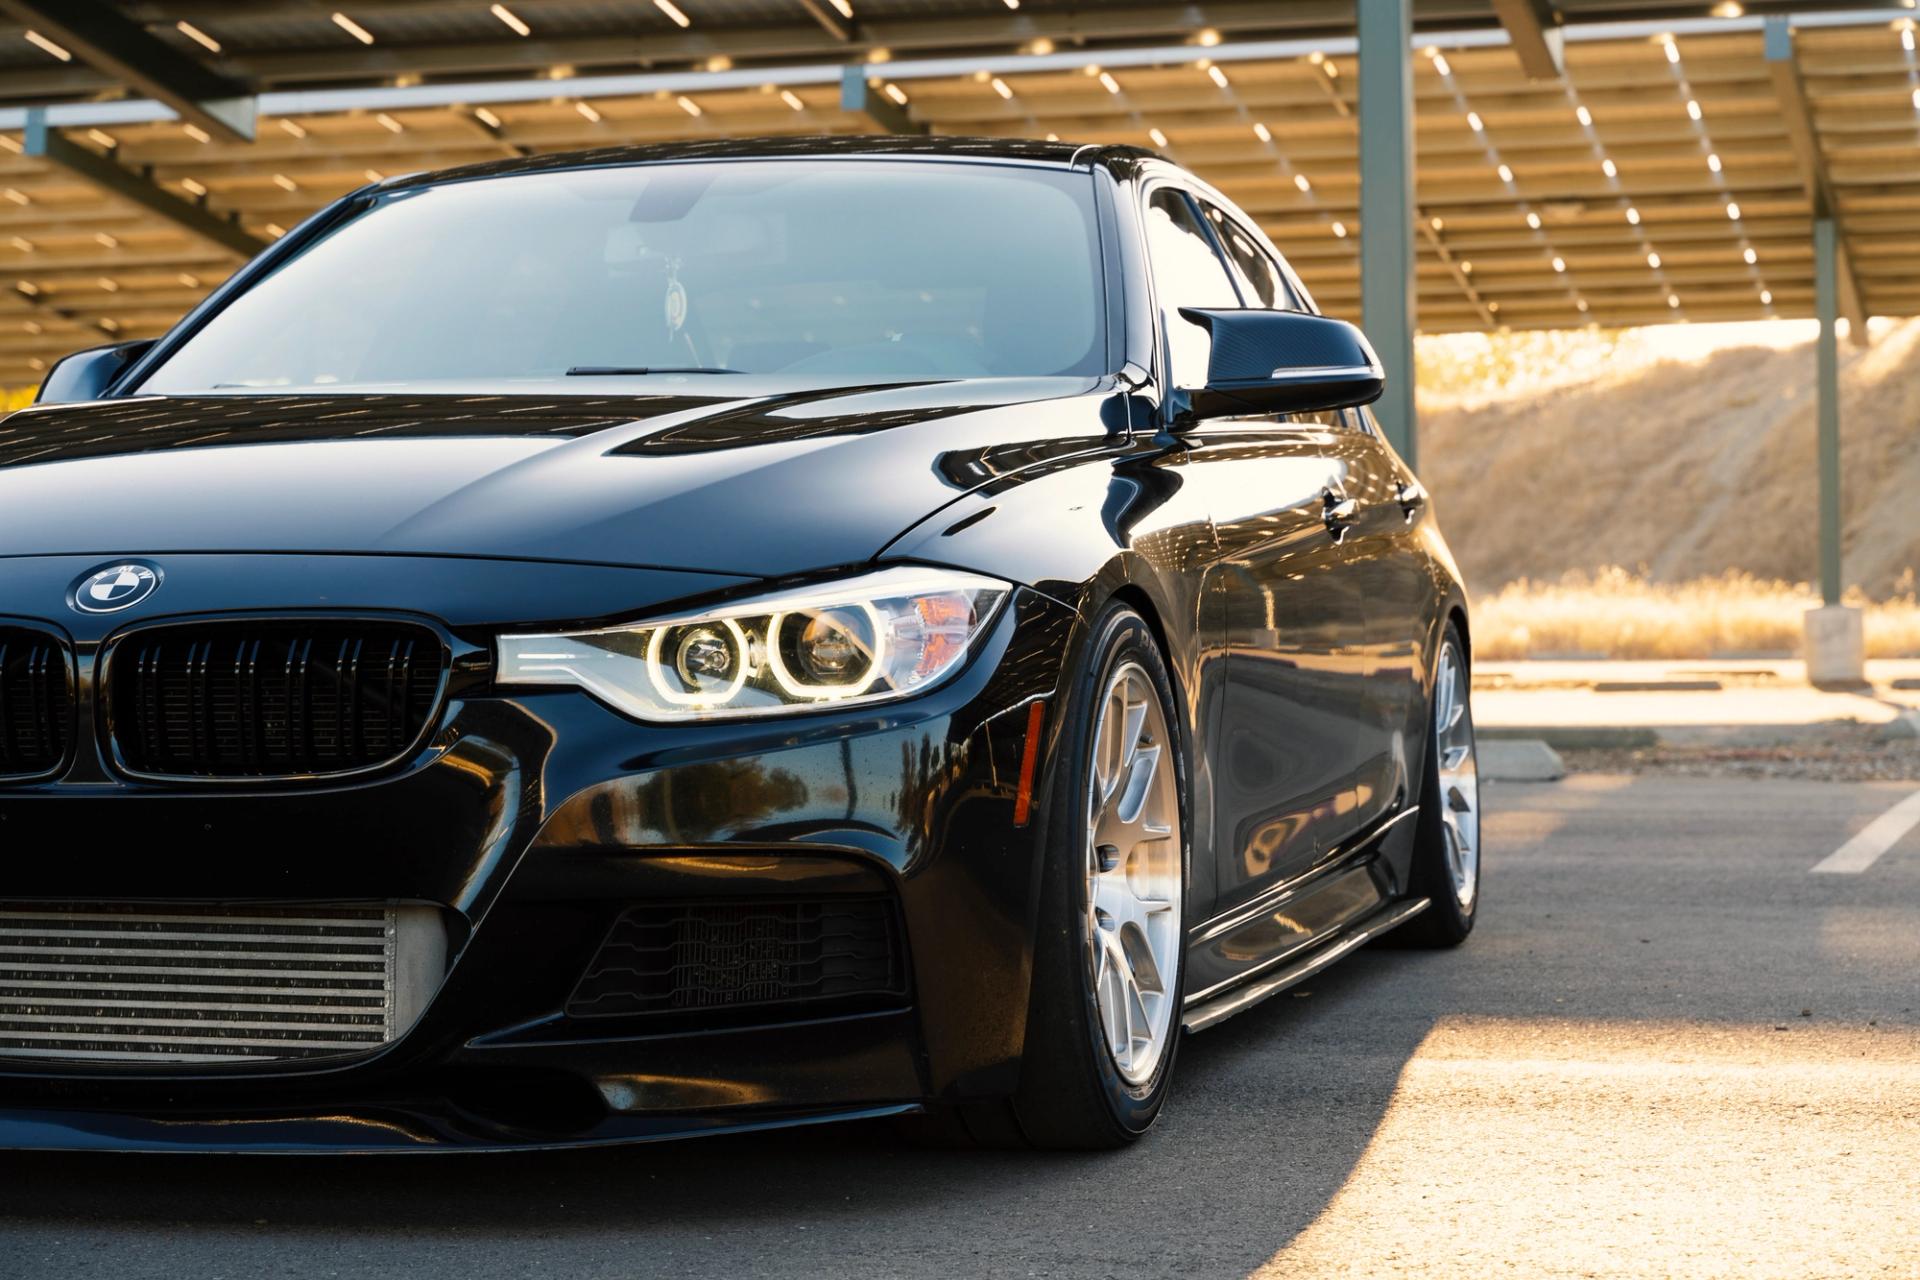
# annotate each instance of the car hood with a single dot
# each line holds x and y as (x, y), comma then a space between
(761, 481)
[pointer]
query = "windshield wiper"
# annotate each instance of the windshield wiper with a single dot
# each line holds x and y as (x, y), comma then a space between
(616, 370)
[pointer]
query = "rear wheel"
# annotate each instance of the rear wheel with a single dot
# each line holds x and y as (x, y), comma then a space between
(1109, 954)
(1446, 855)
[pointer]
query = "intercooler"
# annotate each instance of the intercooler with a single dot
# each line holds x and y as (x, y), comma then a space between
(104, 982)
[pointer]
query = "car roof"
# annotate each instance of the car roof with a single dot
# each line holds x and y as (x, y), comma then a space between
(908, 147)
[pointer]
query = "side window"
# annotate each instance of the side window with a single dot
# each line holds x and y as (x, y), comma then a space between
(1186, 273)
(1258, 274)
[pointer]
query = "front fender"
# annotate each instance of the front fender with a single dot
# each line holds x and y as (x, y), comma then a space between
(1085, 530)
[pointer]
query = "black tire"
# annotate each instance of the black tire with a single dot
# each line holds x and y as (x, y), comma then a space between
(1071, 1095)
(1445, 923)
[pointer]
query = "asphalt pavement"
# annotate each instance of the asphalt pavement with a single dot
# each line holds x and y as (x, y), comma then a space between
(1671, 1048)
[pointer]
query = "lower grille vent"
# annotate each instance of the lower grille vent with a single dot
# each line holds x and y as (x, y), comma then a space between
(36, 702)
(106, 983)
(668, 957)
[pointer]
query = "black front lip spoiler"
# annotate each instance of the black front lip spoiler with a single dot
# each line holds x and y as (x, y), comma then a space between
(375, 1130)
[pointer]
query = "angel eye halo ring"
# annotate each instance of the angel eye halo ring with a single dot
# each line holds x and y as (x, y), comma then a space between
(881, 636)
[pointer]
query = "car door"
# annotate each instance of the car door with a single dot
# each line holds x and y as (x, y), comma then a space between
(1380, 556)
(1396, 591)
(1287, 619)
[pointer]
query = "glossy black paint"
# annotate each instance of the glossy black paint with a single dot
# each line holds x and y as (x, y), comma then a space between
(86, 375)
(1300, 635)
(1282, 362)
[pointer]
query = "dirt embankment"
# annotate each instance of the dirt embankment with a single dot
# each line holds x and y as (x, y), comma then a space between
(1683, 468)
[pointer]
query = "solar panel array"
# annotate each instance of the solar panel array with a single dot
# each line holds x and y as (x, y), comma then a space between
(1656, 180)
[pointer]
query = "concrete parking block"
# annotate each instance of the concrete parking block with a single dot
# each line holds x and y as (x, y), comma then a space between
(1519, 760)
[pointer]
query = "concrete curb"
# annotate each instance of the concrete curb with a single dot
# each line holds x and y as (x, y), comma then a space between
(1642, 737)
(1578, 737)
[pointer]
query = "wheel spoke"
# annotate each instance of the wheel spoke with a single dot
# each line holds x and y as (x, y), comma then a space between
(1140, 775)
(1458, 777)
(1113, 901)
(1137, 708)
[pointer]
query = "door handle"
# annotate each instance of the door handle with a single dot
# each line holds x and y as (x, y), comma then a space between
(1338, 512)
(1411, 497)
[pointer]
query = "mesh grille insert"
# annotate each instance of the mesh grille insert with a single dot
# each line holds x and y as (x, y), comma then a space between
(667, 957)
(272, 699)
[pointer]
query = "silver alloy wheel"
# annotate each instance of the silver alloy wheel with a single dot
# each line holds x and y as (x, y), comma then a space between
(1459, 776)
(1134, 874)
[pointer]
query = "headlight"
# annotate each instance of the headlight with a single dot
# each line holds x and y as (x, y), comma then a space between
(885, 635)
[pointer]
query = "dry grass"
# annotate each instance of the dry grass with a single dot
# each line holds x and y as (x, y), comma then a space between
(1625, 615)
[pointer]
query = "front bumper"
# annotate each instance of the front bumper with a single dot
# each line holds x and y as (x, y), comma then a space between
(533, 820)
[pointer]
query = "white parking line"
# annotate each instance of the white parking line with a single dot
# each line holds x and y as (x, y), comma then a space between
(1880, 835)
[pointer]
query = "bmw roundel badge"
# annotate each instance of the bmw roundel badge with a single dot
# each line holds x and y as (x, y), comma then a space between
(115, 587)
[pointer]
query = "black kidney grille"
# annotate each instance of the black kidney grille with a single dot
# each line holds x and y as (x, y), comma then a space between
(36, 702)
(259, 700)
(667, 957)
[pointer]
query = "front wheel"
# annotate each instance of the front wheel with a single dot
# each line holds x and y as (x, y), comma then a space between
(1103, 1020)
(1446, 854)
(1109, 961)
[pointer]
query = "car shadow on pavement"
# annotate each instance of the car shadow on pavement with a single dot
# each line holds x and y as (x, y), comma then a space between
(1270, 1113)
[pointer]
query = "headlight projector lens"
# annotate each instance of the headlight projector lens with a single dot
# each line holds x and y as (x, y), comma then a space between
(703, 657)
(835, 647)
(702, 665)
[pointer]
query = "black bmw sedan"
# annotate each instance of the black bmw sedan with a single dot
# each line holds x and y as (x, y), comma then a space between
(669, 640)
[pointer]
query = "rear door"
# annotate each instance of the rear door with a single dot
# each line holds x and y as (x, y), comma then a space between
(1397, 595)
(1288, 620)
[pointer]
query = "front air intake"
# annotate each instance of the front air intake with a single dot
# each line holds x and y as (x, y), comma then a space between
(281, 699)
(684, 957)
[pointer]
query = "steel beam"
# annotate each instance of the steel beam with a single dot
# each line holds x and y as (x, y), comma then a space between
(1388, 291)
(1795, 113)
(495, 133)
(35, 299)
(858, 95)
(116, 179)
(829, 19)
(1537, 39)
(1826, 255)
(1460, 278)
(107, 40)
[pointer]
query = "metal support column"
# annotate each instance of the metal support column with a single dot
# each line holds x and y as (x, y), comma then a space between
(1826, 290)
(1387, 288)
(858, 96)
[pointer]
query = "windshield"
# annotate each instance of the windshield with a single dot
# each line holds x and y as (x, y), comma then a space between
(838, 269)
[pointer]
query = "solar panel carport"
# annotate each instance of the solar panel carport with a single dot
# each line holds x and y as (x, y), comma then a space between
(1529, 163)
